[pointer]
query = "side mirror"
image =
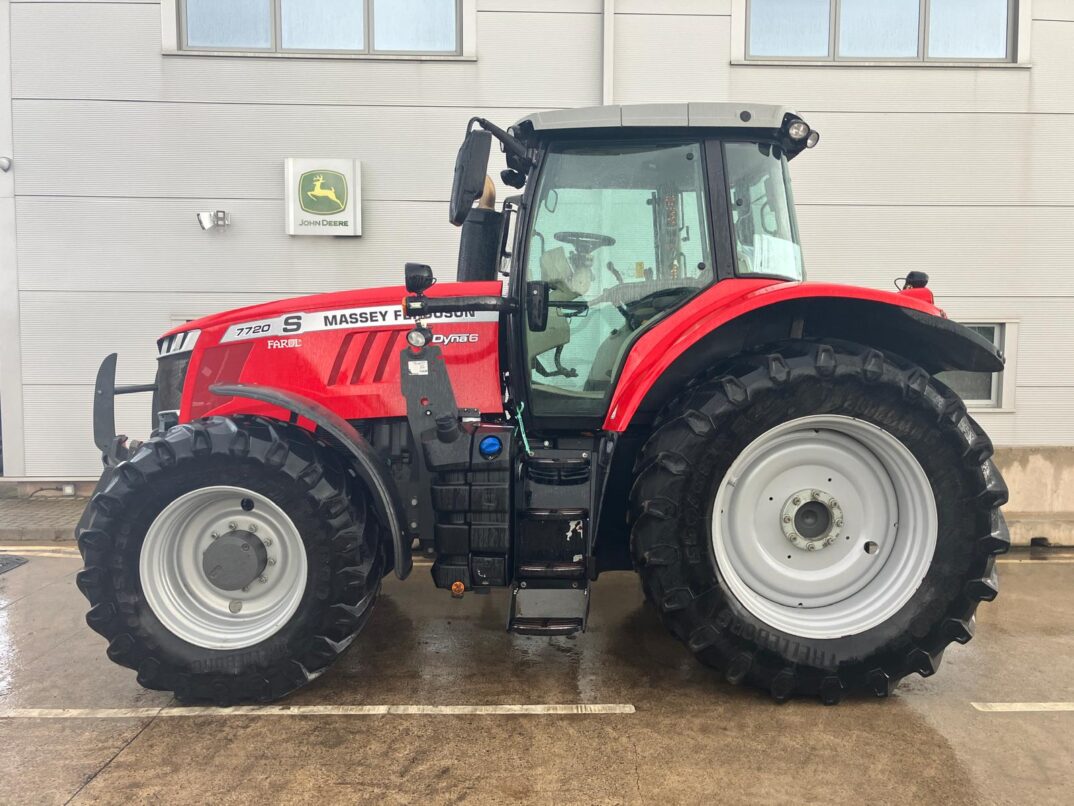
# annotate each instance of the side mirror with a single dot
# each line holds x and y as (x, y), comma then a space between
(537, 306)
(471, 165)
(418, 277)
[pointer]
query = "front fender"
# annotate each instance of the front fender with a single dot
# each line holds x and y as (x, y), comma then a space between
(370, 467)
(738, 315)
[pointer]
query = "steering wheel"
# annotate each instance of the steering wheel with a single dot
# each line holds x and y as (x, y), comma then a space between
(585, 243)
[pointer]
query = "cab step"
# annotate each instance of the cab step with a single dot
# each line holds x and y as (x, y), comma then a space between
(549, 608)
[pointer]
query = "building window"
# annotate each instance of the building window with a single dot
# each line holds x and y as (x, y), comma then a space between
(894, 30)
(372, 27)
(982, 389)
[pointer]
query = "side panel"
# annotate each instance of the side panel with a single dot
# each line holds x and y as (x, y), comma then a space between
(342, 353)
(658, 348)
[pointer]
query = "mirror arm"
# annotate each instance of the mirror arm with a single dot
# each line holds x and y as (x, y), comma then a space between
(510, 144)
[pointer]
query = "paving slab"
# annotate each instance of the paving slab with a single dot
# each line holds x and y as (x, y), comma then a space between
(39, 520)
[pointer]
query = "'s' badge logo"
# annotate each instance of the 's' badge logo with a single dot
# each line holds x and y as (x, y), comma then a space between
(322, 192)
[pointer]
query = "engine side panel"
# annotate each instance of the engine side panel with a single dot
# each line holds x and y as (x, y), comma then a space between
(340, 350)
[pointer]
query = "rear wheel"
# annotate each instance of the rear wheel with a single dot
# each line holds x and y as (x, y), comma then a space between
(818, 519)
(230, 560)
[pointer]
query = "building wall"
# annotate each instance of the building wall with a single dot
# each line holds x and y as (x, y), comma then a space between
(960, 172)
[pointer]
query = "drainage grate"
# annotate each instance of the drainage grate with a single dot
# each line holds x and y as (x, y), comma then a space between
(7, 562)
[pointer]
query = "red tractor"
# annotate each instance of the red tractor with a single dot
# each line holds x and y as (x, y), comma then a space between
(629, 373)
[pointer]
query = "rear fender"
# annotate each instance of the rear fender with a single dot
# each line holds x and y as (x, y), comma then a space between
(370, 467)
(747, 314)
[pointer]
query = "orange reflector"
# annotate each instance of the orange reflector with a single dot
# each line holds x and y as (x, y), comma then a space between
(457, 589)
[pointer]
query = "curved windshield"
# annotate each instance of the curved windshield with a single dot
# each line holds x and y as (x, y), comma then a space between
(762, 211)
(620, 235)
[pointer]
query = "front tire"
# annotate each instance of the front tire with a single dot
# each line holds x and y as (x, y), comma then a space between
(819, 519)
(230, 560)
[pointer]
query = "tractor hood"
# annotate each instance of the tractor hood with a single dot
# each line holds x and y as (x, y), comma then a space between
(341, 300)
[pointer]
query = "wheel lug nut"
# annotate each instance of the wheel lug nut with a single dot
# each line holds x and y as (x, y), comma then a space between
(796, 500)
(235, 606)
(215, 535)
(271, 560)
(786, 518)
(833, 503)
(262, 580)
(816, 495)
(267, 541)
(231, 527)
(839, 523)
(252, 527)
(246, 589)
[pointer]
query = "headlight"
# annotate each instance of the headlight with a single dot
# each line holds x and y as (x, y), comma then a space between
(798, 130)
(177, 343)
(813, 139)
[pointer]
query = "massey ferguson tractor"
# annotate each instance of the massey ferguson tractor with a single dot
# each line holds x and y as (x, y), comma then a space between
(629, 373)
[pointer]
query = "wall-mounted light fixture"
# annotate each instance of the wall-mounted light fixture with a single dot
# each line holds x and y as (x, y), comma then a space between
(216, 218)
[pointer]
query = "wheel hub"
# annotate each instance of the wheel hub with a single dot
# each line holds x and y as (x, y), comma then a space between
(223, 567)
(811, 519)
(857, 509)
(234, 560)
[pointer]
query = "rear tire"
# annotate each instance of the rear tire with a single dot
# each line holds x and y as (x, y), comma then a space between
(758, 635)
(326, 557)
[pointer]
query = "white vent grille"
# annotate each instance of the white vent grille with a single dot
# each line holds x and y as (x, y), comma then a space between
(177, 343)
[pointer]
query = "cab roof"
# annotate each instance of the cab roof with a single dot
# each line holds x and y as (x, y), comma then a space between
(684, 115)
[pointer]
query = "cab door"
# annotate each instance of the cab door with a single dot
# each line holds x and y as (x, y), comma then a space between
(620, 234)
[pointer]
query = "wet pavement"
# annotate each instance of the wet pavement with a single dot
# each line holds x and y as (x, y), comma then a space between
(691, 737)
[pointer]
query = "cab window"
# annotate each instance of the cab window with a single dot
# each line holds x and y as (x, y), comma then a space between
(620, 236)
(762, 211)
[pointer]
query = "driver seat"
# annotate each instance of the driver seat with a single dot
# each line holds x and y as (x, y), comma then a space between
(556, 271)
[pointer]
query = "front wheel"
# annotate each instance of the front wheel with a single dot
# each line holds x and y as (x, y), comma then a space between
(230, 560)
(819, 519)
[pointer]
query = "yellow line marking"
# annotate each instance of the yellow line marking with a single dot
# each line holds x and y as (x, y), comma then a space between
(319, 710)
(1022, 707)
(1028, 561)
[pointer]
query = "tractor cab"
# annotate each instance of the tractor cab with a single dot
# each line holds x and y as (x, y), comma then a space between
(625, 216)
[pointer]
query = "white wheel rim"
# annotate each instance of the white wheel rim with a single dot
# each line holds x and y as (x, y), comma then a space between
(884, 526)
(179, 591)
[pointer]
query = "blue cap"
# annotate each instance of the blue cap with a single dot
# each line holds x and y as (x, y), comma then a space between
(490, 447)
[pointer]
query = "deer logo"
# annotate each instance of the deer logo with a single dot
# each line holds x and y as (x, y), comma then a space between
(323, 192)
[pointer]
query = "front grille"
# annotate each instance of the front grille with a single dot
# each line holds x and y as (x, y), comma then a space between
(171, 372)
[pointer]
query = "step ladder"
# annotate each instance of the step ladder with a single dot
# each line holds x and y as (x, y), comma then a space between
(553, 547)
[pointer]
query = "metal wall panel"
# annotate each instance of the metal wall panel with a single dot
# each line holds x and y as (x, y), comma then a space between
(92, 148)
(998, 251)
(720, 8)
(156, 245)
(1053, 10)
(67, 334)
(917, 159)
(524, 60)
(59, 433)
(165, 150)
(667, 58)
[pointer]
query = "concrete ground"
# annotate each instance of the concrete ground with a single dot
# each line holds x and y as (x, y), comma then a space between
(690, 738)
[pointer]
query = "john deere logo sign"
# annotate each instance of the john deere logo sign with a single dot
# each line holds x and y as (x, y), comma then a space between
(322, 192)
(324, 196)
